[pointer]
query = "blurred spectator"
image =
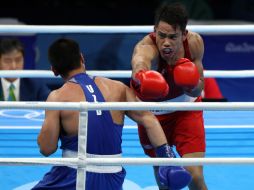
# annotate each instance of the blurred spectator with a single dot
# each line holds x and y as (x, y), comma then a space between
(197, 9)
(18, 89)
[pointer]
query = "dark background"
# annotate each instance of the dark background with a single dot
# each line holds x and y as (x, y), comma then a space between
(118, 12)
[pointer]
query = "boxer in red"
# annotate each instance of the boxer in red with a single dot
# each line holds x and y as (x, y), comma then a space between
(167, 67)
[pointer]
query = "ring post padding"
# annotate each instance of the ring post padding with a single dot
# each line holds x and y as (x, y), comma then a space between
(82, 146)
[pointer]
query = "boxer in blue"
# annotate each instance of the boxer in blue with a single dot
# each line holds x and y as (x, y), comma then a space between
(104, 127)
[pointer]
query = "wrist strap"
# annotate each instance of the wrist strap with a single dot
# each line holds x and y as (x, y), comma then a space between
(165, 151)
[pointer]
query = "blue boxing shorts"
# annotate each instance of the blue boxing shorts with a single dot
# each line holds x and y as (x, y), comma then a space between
(64, 178)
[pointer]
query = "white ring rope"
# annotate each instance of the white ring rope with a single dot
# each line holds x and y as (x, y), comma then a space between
(202, 29)
(121, 73)
(126, 161)
(84, 106)
(38, 127)
(40, 161)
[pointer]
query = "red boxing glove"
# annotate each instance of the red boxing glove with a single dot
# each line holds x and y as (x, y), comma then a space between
(186, 74)
(149, 85)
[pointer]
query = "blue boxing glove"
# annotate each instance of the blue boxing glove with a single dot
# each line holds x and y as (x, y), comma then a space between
(174, 177)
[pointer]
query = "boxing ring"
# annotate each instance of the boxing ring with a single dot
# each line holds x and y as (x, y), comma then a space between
(229, 162)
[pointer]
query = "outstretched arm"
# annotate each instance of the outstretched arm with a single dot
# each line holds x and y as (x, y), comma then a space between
(168, 175)
(148, 84)
(148, 120)
(144, 53)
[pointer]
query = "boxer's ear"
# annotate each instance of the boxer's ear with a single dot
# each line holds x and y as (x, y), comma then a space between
(54, 71)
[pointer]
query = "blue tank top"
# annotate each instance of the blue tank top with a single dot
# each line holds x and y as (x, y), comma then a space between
(104, 136)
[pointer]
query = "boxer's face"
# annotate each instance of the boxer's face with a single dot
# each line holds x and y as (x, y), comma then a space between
(13, 60)
(169, 40)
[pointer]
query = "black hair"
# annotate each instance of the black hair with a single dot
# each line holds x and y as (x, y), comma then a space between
(173, 14)
(64, 56)
(7, 45)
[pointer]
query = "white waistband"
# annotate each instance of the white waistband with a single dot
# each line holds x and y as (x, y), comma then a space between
(182, 98)
(95, 168)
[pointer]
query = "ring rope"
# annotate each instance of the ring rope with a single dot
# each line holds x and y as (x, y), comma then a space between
(174, 106)
(135, 127)
(121, 73)
(126, 161)
(202, 29)
(39, 161)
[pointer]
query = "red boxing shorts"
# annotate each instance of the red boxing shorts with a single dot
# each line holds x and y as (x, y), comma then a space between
(184, 129)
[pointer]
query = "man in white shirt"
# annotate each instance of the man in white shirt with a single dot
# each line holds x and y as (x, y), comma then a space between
(18, 89)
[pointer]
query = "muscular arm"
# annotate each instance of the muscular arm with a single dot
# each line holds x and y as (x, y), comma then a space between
(148, 120)
(49, 134)
(196, 45)
(144, 53)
